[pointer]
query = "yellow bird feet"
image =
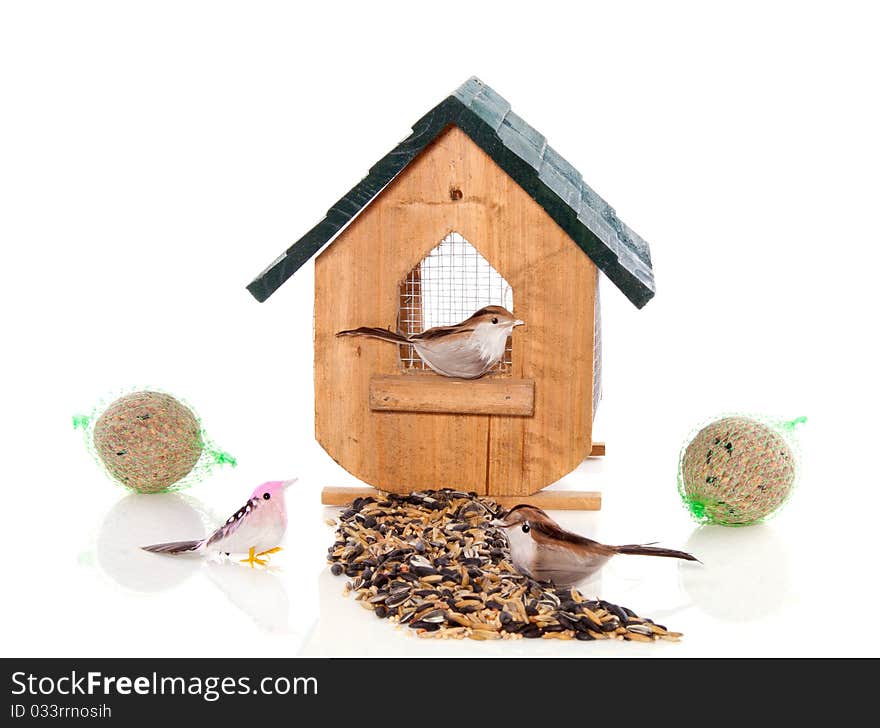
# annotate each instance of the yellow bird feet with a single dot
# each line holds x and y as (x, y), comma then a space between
(254, 559)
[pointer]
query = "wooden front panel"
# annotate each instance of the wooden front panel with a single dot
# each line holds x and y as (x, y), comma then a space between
(357, 283)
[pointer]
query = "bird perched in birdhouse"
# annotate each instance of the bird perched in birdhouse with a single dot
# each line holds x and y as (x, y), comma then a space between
(467, 350)
(543, 550)
(256, 529)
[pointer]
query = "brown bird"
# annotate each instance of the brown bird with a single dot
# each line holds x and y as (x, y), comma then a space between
(543, 550)
(467, 350)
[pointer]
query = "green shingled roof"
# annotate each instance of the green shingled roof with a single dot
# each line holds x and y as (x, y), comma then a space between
(523, 153)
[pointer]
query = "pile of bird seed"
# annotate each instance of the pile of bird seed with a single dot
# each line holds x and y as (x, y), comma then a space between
(432, 561)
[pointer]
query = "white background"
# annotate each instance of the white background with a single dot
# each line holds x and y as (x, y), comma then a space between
(155, 157)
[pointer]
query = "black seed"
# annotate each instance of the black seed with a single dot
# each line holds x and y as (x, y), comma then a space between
(427, 626)
(583, 624)
(336, 569)
(555, 628)
(615, 610)
(381, 612)
(424, 570)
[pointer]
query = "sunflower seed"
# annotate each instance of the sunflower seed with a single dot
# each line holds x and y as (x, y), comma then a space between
(398, 598)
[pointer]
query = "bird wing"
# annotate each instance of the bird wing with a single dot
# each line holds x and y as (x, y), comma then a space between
(232, 524)
(563, 557)
(547, 532)
(440, 332)
(452, 357)
(564, 567)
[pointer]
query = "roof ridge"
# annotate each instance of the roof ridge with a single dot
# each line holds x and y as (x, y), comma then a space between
(523, 153)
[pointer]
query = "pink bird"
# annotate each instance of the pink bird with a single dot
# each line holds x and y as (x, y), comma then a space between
(256, 529)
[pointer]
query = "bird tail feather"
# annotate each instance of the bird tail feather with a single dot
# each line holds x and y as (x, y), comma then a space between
(174, 547)
(640, 550)
(375, 332)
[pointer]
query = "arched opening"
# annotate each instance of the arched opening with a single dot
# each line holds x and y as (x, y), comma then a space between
(448, 285)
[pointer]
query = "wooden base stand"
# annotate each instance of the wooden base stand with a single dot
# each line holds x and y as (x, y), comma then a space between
(549, 500)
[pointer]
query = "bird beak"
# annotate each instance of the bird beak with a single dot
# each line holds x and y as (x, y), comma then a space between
(498, 523)
(287, 483)
(518, 323)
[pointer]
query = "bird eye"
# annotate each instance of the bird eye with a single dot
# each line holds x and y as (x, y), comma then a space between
(495, 320)
(266, 496)
(526, 528)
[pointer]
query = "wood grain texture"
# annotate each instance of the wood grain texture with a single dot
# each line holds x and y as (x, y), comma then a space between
(357, 283)
(548, 500)
(433, 393)
(555, 500)
(598, 450)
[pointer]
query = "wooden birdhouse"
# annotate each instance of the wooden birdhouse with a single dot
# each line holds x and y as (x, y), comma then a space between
(473, 209)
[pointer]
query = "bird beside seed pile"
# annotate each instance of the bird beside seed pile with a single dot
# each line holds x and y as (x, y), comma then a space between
(542, 549)
(434, 562)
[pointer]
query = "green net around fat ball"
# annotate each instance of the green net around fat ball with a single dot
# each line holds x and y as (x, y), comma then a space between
(736, 471)
(150, 442)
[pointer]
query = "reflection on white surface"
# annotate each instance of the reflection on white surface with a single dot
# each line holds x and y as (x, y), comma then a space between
(259, 593)
(745, 575)
(138, 520)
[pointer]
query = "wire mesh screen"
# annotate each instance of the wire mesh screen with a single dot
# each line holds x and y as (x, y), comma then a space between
(448, 285)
